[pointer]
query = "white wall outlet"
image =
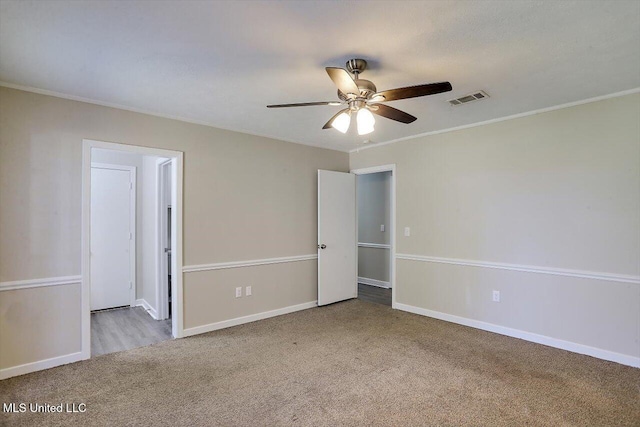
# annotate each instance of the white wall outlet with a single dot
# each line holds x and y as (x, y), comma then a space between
(496, 296)
(407, 232)
(238, 292)
(247, 291)
(382, 227)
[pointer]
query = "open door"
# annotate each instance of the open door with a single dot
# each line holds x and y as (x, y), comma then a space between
(337, 245)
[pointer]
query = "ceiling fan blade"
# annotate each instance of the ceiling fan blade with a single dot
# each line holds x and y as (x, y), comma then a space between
(414, 91)
(330, 122)
(343, 80)
(392, 113)
(304, 104)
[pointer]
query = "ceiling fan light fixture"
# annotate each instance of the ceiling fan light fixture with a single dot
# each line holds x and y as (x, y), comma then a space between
(365, 121)
(361, 97)
(342, 122)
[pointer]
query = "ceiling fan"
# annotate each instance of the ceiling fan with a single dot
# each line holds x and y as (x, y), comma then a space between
(362, 98)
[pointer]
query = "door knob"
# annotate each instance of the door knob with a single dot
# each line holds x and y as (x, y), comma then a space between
(322, 246)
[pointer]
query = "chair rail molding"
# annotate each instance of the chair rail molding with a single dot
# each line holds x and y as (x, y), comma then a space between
(611, 277)
(373, 245)
(248, 263)
(40, 283)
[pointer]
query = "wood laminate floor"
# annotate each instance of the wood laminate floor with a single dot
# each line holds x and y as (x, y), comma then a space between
(126, 328)
(374, 294)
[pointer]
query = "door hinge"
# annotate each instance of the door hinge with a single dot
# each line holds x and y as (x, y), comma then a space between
(130, 236)
(130, 185)
(130, 285)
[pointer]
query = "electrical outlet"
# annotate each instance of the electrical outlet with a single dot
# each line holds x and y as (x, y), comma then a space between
(247, 291)
(407, 232)
(496, 296)
(382, 227)
(238, 292)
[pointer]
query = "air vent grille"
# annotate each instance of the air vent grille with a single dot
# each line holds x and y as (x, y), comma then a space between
(469, 98)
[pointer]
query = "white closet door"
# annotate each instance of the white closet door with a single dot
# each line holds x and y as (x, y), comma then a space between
(111, 237)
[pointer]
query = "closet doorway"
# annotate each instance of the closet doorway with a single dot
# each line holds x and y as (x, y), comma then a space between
(131, 247)
(376, 234)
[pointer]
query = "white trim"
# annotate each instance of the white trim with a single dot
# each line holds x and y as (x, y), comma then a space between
(249, 263)
(176, 243)
(177, 290)
(611, 277)
(14, 371)
(155, 114)
(162, 297)
(392, 222)
(373, 245)
(133, 228)
(141, 302)
(501, 119)
(374, 282)
(250, 318)
(39, 283)
(527, 336)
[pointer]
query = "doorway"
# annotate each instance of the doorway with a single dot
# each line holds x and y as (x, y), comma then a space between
(338, 237)
(375, 193)
(132, 209)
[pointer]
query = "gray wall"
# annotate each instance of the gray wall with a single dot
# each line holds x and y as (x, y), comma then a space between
(556, 190)
(373, 192)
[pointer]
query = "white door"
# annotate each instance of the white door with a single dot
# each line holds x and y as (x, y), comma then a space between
(337, 245)
(112, 216)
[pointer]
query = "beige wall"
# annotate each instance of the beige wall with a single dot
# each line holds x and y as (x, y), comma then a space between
(245, 198)
(554, 190)
(39, 324)
(210, 295)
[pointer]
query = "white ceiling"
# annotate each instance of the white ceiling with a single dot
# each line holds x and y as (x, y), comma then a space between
(221, 63)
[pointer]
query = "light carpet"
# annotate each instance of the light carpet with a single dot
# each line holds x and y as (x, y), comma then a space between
(348, 364)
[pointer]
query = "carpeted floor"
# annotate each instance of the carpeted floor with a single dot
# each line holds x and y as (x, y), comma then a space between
(352, 363)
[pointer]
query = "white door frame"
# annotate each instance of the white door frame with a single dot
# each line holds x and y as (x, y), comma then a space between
(387, 168)
(132, 222)
(161, 291)
(177, 321)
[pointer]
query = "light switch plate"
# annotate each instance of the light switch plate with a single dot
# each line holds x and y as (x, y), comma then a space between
(247, 291)
(238, 292)
(382, 227)
(407, 232)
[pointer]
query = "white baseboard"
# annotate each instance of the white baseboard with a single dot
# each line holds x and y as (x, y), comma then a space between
(144, 304)
(247, 319)
(27, 368)
(374, 282)
(599, 353)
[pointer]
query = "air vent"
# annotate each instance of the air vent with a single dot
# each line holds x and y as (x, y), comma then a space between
(469, 98)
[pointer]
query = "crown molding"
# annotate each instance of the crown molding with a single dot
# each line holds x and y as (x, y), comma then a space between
(501, 119)
(153, 113)
(345, 150)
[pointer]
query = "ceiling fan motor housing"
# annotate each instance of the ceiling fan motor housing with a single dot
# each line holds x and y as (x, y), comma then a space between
(356, 66)
(367, 88)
